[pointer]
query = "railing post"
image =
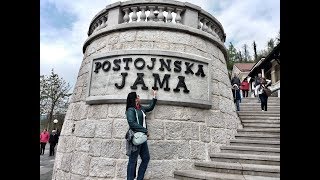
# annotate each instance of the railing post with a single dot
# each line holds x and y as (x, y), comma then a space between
(160, 15)
(205, 27)
(126, 17)
(178, 16)
(169, 16)
(134, 16)
(143, 14)
(151, 15)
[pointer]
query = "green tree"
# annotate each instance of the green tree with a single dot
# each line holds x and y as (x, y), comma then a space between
(246, 55)
(278, 38)
(240, 57)
(232, 54)
(54, 95)
(255, 51)
(270, 45)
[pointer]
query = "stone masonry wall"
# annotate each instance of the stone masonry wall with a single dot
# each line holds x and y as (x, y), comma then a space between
(178, 135)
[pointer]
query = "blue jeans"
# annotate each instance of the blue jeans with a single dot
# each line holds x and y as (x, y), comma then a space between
(264, 101)
(237, 104)
(143, 151)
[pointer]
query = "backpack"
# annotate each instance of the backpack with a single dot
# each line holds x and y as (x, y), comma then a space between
(267, 91)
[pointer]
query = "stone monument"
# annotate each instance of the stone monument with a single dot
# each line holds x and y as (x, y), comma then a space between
(175, 47)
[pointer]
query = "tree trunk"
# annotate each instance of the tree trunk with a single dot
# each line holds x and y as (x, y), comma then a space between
(50, 116)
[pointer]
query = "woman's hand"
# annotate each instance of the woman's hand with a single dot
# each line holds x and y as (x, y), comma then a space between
(154, 93)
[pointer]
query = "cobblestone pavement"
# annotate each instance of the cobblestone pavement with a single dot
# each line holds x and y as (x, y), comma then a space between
(46, 164)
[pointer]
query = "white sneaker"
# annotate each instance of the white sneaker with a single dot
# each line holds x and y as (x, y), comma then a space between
(262, 110)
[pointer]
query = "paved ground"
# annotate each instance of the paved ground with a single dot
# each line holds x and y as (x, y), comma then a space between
(46, 164)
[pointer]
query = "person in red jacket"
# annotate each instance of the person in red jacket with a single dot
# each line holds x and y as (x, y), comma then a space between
(245, 88)
(44, 138)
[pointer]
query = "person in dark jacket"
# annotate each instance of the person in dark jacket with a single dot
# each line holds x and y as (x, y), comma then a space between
(263, 97)
(134, 110)
(235, 80)
(53, 140)
(236, 96)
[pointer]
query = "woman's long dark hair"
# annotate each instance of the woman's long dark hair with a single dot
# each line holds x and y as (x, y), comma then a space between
(131, 100)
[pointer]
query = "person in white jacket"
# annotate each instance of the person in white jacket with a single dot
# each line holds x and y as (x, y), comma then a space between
(262, 96)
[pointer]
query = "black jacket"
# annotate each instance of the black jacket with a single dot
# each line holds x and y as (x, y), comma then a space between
(53, 138)
(235, 80)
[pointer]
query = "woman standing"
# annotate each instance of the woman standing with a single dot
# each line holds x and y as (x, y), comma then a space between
(134, 110)
(44, 137)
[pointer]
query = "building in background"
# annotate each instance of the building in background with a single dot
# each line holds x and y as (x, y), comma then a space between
(241, 69)
(270, 69)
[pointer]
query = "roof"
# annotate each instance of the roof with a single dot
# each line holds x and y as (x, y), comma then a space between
(266, 62)
(244, 66)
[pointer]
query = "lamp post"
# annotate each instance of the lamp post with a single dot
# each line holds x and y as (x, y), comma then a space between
(55, 122)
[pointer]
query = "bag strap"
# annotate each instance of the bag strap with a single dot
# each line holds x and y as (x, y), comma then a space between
(144, 119)
(144, 124)
(136, 116)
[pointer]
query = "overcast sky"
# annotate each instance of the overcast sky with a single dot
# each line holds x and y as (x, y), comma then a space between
(64, 25)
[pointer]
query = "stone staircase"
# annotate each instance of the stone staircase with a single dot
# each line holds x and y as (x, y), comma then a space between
(254, 154)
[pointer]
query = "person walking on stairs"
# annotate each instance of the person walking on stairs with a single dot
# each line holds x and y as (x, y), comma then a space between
(236, 96)
(245, 88)
(262, 95)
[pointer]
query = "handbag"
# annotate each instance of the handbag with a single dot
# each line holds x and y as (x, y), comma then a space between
(267, 91)
(139, 137)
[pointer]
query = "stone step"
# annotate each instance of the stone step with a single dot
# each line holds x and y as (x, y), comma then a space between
(256, 99)
(258, 109)
(259, 113)
(264, 121)
(267, 131)
(258, 136)
(239, 168)
(246, 158)
(205, 175)
(253, 102)
(245, 117)
(250, 150)
(260, 125)
(275, 109)
(258, 104)
(263, 130)
(255, 143)
(260, 116)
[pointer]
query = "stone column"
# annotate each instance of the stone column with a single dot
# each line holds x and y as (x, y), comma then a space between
(194, 115)
(273, 72)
